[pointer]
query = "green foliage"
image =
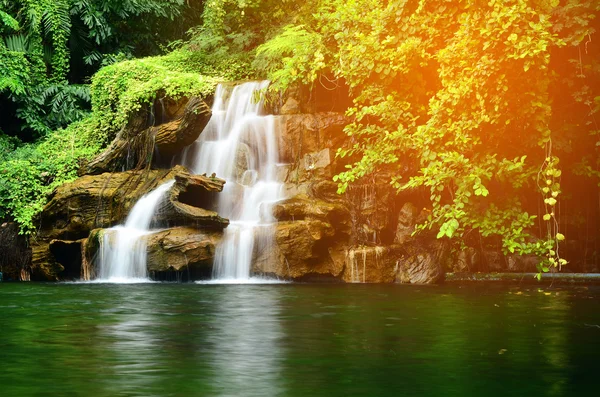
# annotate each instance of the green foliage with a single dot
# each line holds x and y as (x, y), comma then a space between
(121, 89)
(29, 173)
(47, 44)
(14, 72)
(54, 106)
(293, 56)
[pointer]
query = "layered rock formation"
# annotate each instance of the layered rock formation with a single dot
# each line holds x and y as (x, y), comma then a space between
(94, 202)
(65, 243)
(365, 235)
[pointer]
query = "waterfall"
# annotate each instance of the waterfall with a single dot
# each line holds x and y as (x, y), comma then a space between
(123, 248)
(239, 144)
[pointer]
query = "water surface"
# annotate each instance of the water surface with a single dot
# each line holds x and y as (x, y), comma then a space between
(165, 339)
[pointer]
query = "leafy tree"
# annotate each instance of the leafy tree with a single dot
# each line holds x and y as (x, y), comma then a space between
(455, 98)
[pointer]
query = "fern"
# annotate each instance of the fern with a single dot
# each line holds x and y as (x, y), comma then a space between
(17, 43)
(6, 21)
(296, 54)
(52, 35)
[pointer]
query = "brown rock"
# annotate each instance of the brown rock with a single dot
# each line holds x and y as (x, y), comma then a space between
(179, 248)
(493, 261)
(523, 263)
(468, 260)
(187, 200)
(172, 137)
(373, 215)
(134, 145)
(300, 248)
(310, 133)
(406, 223)
(370, 264)
(15, 254)
(291, 106)
(303, 207)
(423, 264)
(173, 249)
(99, 201)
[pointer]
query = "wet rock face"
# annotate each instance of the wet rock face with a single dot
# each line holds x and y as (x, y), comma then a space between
(376, 264)
(181, 248)
(523, 264)
(468, 260)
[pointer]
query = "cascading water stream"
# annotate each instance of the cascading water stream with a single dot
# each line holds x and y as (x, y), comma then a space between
(240, 145)
(123, 248)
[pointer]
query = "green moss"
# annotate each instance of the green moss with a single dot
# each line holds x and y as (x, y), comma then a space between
(121, 89)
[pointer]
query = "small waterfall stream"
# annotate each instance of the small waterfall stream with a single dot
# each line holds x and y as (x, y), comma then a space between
(240, 145)
(123, 248)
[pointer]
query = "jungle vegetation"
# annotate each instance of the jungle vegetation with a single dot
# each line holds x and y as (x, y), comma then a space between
(488, 107)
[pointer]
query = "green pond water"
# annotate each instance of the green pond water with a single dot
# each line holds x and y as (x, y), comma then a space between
(168, 339)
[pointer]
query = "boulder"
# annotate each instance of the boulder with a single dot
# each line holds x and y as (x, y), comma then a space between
(173, 249)
(172, 137)
(325, 190)
(300, 249)
(303, 207)
(187, 202)
(92, 201)
(181, 248)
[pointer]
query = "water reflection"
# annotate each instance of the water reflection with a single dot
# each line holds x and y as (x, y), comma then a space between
(246, 348)
(130, 342)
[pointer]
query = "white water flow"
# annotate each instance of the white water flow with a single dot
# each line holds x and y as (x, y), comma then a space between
(123, 248)
(240, 145)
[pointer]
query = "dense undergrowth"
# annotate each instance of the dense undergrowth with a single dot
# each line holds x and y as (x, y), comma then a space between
(486, 107)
